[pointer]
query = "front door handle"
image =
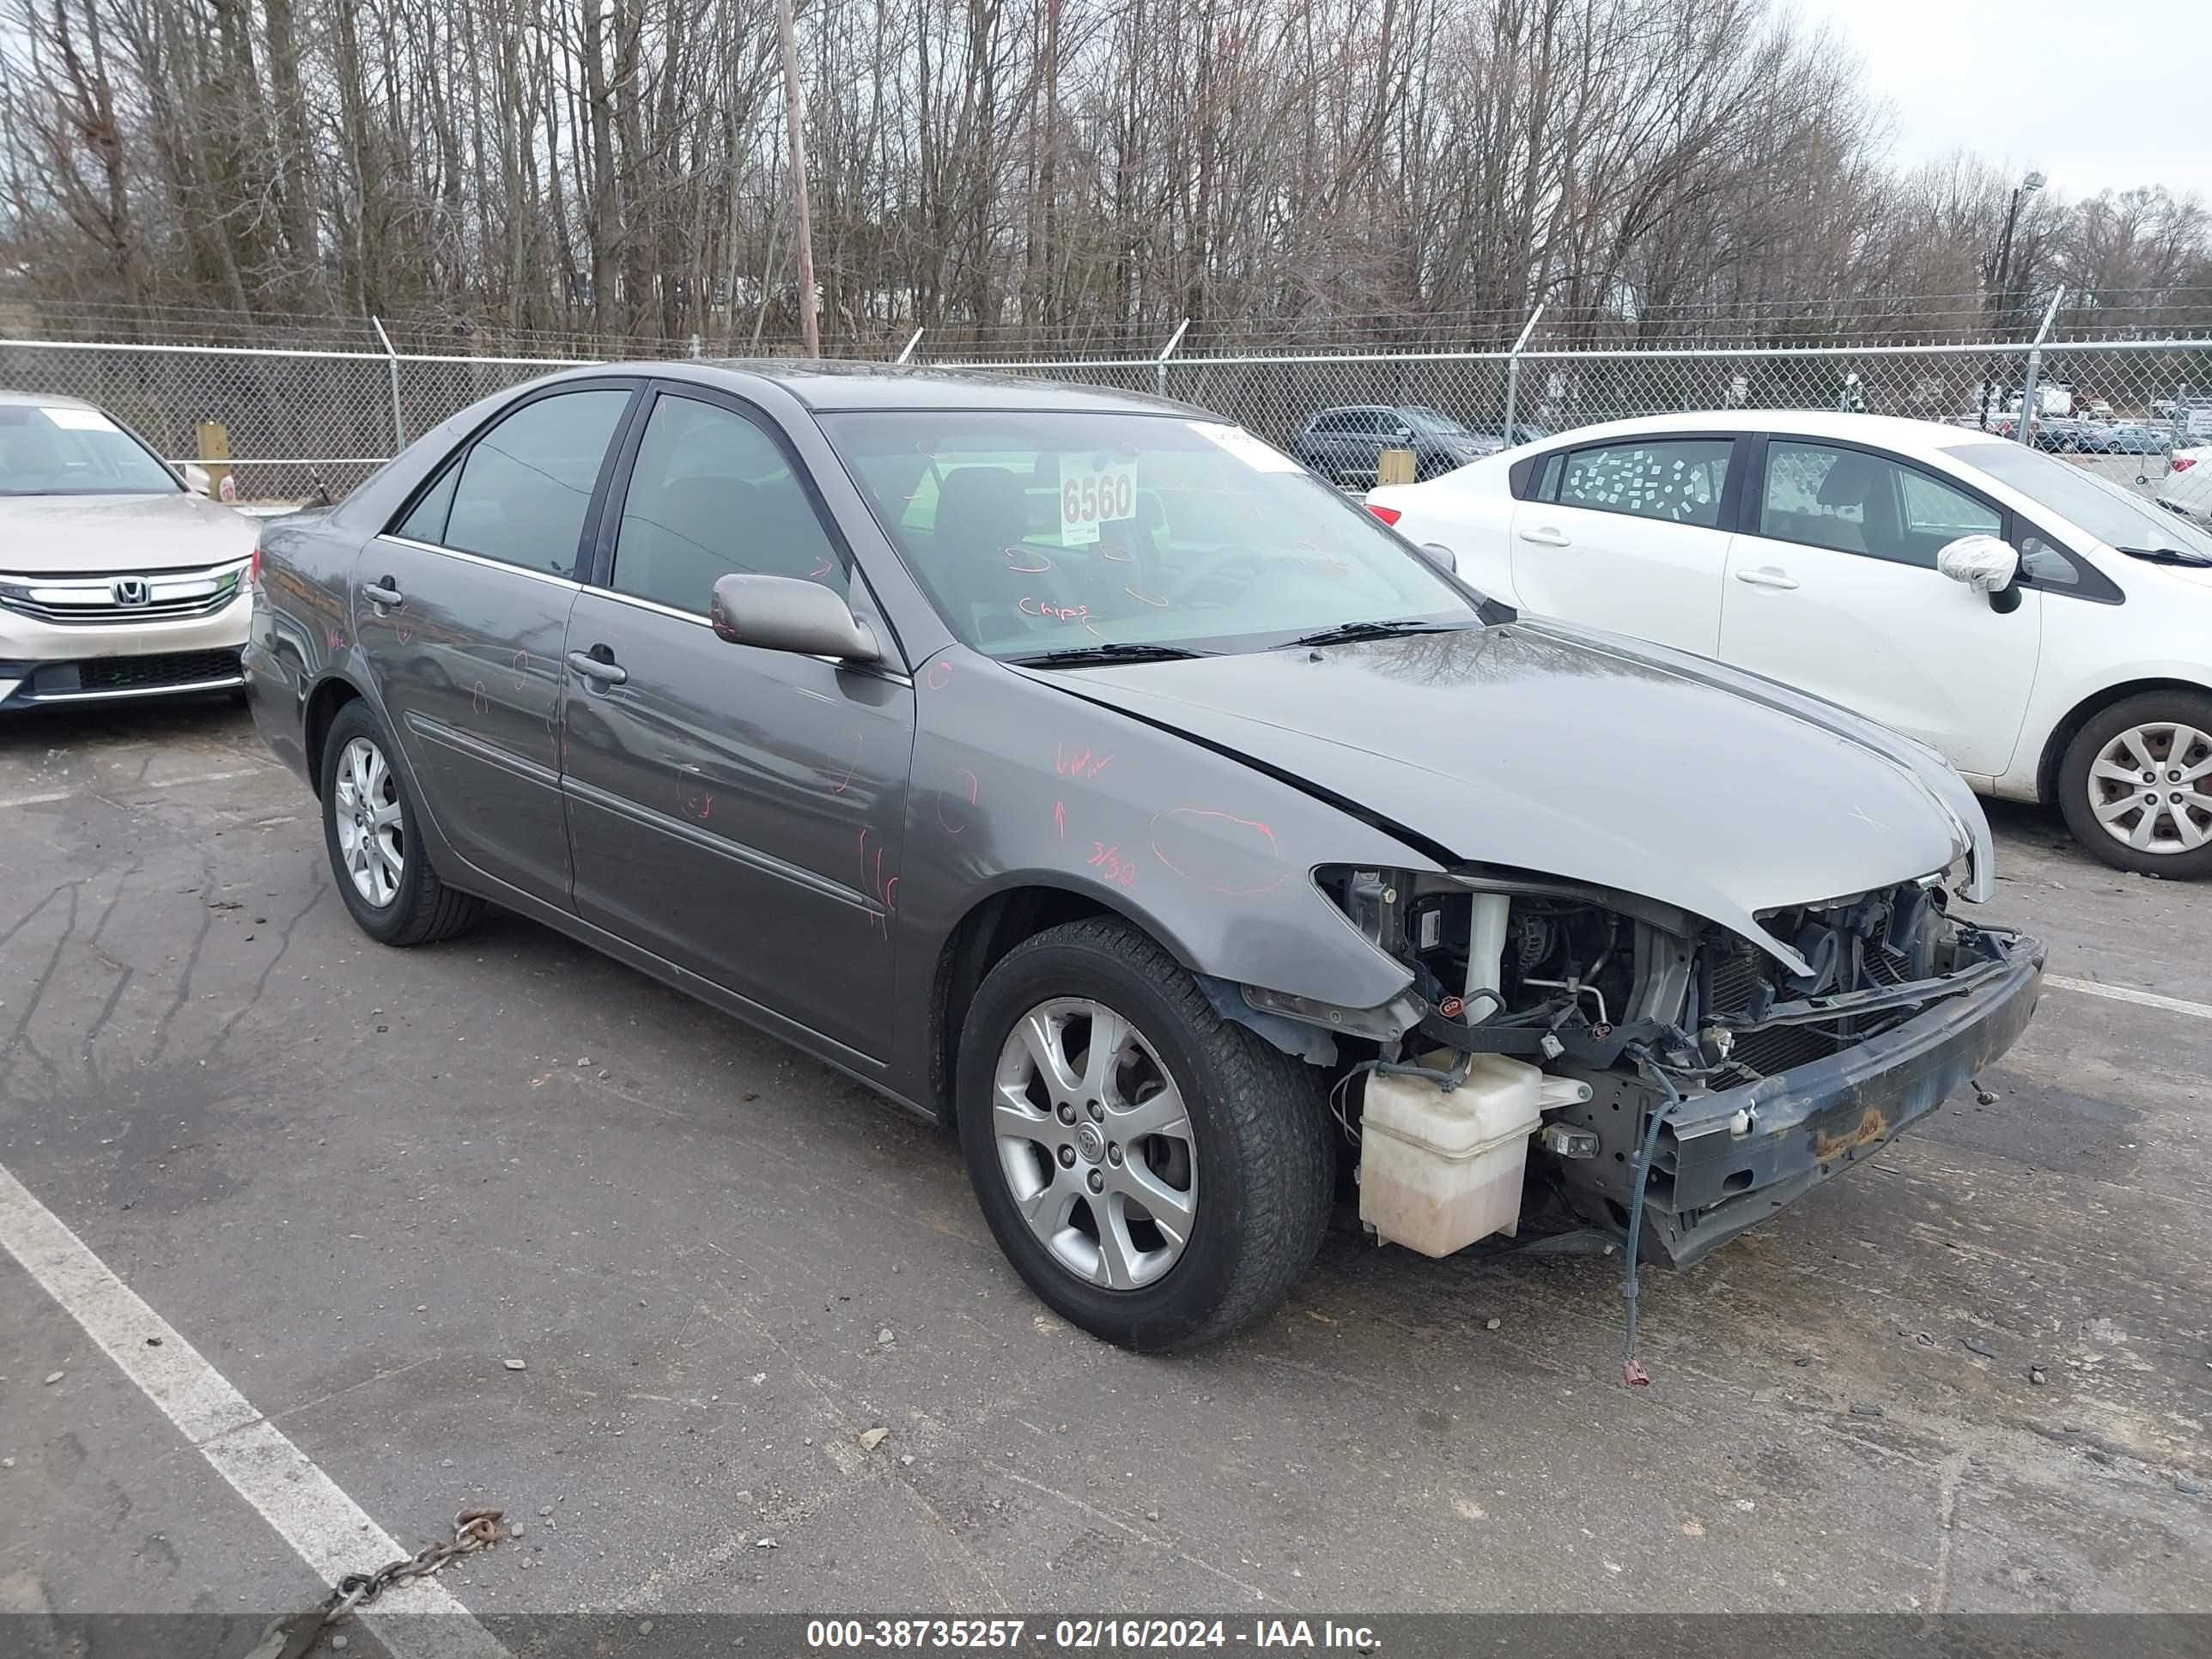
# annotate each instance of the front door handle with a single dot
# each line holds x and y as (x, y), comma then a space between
(383, 592)
(1545, 535)
(597, 669)
(1766, 576)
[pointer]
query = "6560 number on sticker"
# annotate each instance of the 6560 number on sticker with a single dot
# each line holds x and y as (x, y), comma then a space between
(1091, 495)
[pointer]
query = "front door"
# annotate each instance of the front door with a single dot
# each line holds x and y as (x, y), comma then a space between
(462, 609)
(1626, 536)
(1834, 589)
(738, 811)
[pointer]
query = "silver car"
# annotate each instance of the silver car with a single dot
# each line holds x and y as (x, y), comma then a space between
(1078, 770)
(117, 579)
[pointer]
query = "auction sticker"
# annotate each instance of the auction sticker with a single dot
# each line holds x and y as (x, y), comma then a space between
(1104, 488)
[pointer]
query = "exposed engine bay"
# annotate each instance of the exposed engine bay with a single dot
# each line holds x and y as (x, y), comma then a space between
(1590, 1028)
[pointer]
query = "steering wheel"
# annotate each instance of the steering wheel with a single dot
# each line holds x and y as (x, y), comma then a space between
(1209, 565)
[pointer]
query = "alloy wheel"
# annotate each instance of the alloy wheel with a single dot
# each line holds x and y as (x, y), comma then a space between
(2151, 787)
(371, 840)
(1095, 1143)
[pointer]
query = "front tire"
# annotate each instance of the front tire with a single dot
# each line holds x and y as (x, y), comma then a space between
(382, 870)
(2135, 785)
(1157, 1175)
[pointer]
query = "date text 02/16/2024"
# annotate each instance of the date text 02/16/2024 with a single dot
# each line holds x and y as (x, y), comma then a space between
(1084, 1635)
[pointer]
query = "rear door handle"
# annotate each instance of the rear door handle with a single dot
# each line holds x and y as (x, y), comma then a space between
(597, 671)
(1766, 576)
(1545, 535)
(382, 593)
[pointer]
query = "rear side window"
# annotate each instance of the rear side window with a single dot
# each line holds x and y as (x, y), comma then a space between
(1678, 480)
(710, 494)
(520, 494)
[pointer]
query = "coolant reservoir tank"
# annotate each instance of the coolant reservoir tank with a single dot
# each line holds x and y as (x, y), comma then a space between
(1440, 1169)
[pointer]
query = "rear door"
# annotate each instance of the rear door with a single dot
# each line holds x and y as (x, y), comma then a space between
(1629, 535)
(735, 811)
(1833, 588)
(461, 608)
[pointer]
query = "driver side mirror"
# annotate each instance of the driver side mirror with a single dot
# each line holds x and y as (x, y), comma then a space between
(1987, 565)
(197, 479)
(789, 613)
(1441, 557)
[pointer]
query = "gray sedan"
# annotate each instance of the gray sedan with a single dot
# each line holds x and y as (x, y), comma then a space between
(1077, 769)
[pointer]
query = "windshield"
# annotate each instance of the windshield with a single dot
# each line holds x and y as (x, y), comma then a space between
(61, 450)
(1436, 422)
(1038, 533)
(2105, 510)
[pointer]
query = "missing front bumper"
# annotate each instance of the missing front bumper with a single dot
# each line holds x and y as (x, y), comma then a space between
(1730, 1160)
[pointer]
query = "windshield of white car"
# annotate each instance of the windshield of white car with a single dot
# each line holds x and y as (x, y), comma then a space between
(62, 450)
(1043, 533)
(2105, 510)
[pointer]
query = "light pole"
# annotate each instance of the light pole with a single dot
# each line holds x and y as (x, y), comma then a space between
(2027, 187)
(809, 329)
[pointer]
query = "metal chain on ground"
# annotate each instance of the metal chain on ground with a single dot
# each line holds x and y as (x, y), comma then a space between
(296, 1634)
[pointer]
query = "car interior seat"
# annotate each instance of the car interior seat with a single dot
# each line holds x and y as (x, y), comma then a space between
(981, 571)
(698, 532)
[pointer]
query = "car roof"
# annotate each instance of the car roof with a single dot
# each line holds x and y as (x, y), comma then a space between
(828, 386)
(41, 400)
(1888, 431)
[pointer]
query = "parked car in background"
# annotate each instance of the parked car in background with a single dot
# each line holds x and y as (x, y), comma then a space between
(2049, 631)
(117, 579)
(1344, 445)
(2187, 487)
(2060, 431)
(1522, 433)
(1078, 770)
(2125, 438)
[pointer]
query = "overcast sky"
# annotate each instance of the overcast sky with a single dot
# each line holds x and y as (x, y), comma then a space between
(2101, 94)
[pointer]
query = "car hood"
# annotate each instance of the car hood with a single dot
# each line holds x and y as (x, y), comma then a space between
(86, 535)
(1533, 747)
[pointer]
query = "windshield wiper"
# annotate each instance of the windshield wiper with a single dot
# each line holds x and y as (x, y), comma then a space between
(1346, 633)
(2166, 556)
(1083, 656)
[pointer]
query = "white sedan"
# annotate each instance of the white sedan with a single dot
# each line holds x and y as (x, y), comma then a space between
(2047, 631)
(2186, 489)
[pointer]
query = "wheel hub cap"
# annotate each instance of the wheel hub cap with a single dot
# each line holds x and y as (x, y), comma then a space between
(2177, 821)
(372, 843)
(1095, 1144)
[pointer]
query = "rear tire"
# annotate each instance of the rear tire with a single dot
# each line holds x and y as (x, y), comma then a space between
(1225, 1136)
(383, 871)
(2135, 785)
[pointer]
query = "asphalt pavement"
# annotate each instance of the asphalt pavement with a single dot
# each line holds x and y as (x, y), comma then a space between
(502, 1222)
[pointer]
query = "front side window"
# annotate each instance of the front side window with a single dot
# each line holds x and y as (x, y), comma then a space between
(1855, 503)
(521, 493)
(1041, 531)
(64, 450)
(1678, 480)
(711, 493)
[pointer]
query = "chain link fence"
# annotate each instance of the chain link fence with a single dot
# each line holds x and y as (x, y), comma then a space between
(2131, 410)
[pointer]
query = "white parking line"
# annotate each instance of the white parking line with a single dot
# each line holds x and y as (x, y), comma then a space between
(331, 1533)
(142, 784)
(2089, 987)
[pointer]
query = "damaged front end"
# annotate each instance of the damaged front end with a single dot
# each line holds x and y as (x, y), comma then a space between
(1627, 1067)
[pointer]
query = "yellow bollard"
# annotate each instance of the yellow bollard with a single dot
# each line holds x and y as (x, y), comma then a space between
(214, 456)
